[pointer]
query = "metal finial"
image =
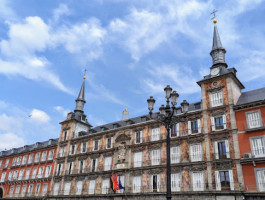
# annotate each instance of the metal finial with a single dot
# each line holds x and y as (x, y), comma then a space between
(85, 70)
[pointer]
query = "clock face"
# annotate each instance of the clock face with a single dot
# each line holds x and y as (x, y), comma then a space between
(215, 71)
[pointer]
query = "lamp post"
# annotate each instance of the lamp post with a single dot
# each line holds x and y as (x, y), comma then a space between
(167, 116)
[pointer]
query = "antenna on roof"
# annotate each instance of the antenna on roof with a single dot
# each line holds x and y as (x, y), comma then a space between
(125, 115)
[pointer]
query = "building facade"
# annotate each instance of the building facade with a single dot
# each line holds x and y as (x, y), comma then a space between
(250, 116)
(217, 152)
(27, 171)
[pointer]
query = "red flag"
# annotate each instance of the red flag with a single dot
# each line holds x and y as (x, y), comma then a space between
(115, 182)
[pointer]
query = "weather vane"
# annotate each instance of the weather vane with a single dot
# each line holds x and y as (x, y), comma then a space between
(214, 16)
(84, 77)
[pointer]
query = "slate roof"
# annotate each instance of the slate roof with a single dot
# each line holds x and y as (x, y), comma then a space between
(251, 96)
(26, 148)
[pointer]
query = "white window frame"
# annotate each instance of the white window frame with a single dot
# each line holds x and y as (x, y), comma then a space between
(140, 135)
(158, 182)
(34, 173)
(44, 189)
(79, 187)
(175, 154)
(216, 150)
(23, 191)
(257, 146)
(48, 171)
(111, 142)
(216, 98)
(137, 184)
(20, 175)
(59, 169)
(94, 145)
(196, 152)
(82, 147)
(27, 173)
(37, 189)
(176, 182)
(67, 188)
(71, 166)
(155, 157)
(24, 159)
(11, 191)
(71, 151)
(6, 163)
(19, 159)
(198, 181)
(51, 154)
(30, 160)
(37, 157)
(137, 159)
(30, 189)
(91, 188)
(155, 134)
(44, 156)
(3, 176)
(17, 190)
(83, 166)
(105, 186)
(213, 122)
(176, 128)
(254, 119)
(107, 163)
(260, 178)
(62, 151)
(96, 164)
(122, 182)
(56, 188)
(218, 179)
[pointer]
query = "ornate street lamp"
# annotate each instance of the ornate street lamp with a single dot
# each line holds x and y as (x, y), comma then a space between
(168, 117)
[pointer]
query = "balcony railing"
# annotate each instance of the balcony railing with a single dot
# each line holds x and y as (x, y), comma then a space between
(254, 124)
(257, 153)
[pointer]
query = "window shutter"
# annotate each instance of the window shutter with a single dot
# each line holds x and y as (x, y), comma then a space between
(224, 121)
(227, 148)
(158, 182)
(213, 123)
(91, 187)
(217, 181)
(141, 136)
(177, 127)
(216, 150)
(93, 144)
(231, 179)
(96, 165)
(135, 137)
(189, 127)
(199, 125)
(261, 180)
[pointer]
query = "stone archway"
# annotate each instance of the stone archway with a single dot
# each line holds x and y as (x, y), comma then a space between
(1, 193)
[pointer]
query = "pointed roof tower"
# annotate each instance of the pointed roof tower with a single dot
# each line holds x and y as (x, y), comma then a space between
(80, 101)
(218, 52)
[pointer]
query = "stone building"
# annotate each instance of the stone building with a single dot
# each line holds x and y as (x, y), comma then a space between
(205, 156)
(250, 117)
(27, 171)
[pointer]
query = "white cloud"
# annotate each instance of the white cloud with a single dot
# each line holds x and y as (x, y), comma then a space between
(39, 116)
(60, 11)
(95, 121)
(62, 110)
(10, 140)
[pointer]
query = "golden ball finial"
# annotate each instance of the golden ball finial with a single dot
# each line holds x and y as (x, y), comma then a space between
(84, 77)
(215, 21)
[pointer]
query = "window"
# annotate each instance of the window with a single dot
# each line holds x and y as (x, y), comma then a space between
(175, 182)
(91, 189)
(137, 183)
(155, 157)
(37, 157)
(195, 152)
(155, 134)
(260, 177)
(198, 181)
(59, 169)
(95, 145)
(3, 176)
(254, 119)
(83, 147)
(24, 160)
(17, 190)
(72, 149)
(15, 175)
(224, 180)
(138, 137)
(34, 173)
(30, 189)
(30, 158)
(175, 154)
(94, 164)
(44, 155)
(56, 188)
(197, 106)
(48, 171)
(155, 183)
(175, 130)
(14, 161)
(21, 173)
(37, 189)
(11, 191)
(10, 175)
(81, 166)
(6, 163)
(65, 136)
(218, 122)
(137, 159)
(23, 191)
(62, 151)
(67, 187)
(221, 149)
(51, 153)
(107, 163)
(258, 147)
(19, 160)
(40, 172)
(121, 179)
(109, 142)
(27, 173)
(216, 99)
(105, 186)
(70, 167)
(44, 189)
(79, 186)
(194, 126)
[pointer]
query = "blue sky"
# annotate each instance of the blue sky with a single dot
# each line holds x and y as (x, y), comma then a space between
(131, 50)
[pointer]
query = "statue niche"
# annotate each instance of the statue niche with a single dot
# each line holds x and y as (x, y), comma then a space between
(121, 158)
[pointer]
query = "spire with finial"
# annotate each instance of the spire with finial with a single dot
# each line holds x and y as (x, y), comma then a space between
(218, 52)
(80, 101)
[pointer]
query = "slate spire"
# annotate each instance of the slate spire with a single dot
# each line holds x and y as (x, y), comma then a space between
(80, 101)
(218, 52)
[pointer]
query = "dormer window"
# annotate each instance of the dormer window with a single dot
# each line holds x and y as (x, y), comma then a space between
(115, 125)
(216, 98)
(83, 118)
(197, 106)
